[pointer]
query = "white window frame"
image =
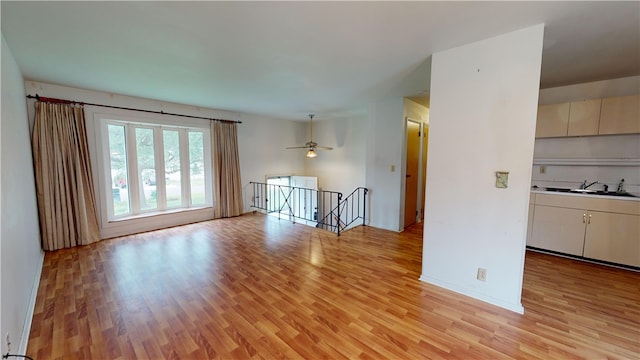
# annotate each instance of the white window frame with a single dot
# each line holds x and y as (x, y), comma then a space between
(158, 125)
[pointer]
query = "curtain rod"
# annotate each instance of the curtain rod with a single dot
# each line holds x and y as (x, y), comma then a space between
(62, 101)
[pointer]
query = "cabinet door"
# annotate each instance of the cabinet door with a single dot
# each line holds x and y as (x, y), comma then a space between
(584, 117)
(620, 115)
(530, 223)
(552, 120)
(613, 237)
(558, 229)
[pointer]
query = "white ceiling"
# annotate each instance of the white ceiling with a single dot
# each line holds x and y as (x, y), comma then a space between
(287, 59)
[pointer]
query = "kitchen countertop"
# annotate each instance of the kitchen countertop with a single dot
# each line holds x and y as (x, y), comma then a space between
(574, 194)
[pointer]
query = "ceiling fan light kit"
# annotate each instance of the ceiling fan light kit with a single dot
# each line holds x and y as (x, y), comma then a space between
(311, 146)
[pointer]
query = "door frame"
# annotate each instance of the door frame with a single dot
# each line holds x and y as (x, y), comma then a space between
(421, 164)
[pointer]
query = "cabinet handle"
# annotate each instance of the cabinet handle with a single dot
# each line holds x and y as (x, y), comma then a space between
(584, 218)
(589, 222)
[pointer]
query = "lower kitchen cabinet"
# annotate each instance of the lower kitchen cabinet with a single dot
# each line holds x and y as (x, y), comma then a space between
(613, 237)
(593, 228)
(532, 206)
(558, 229)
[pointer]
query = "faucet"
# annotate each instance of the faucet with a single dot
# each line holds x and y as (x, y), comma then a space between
(584, 185)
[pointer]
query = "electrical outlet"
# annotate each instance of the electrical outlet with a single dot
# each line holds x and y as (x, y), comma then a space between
(482, 274)
(543, 169)
(8, 343)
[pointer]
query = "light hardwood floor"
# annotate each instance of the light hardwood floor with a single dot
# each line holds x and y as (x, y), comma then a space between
(258, 287)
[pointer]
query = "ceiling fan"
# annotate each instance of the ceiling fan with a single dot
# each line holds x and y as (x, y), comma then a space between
(311, 145)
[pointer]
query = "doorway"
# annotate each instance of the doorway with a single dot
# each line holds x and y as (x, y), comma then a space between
(277, 198)
(415, 174)
(305, 199)
(294, 198)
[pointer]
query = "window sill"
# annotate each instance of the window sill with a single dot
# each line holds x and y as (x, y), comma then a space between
(158, 213)
(154, 221)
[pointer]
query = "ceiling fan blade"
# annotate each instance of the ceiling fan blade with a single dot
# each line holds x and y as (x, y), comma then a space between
(311, 145)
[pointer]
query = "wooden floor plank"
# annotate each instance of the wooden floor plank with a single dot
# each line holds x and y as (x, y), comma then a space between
(262, 288)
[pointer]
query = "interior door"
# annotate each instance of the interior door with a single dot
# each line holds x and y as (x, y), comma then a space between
(412, 171)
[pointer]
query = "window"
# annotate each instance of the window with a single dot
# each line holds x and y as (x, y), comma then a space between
(151, 168)
(196, 168)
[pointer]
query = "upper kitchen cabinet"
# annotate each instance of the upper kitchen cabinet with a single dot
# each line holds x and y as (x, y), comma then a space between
(620, 115)
(553, 120)
(584, 117)
(608, 116)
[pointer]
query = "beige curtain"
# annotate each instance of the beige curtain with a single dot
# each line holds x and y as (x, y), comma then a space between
(227, 185)
(64, 184)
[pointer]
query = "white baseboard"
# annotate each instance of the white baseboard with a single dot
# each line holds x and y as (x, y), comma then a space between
(26, 329)
(517, 308)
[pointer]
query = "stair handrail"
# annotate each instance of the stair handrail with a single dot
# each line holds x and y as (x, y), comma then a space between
(340, 212)
(262, 192)
(337, 219)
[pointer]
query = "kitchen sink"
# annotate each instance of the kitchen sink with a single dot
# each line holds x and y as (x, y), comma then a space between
(613, 193)
(589, 192)
(556, 189)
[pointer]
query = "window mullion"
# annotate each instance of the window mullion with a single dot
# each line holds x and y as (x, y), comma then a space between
(106, 169)
(206, 143)
(185, 169)
(132, 161)
(161, 177)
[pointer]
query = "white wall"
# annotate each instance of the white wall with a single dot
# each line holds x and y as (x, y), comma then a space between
(386, 147)
(385, 139)
(484, 99)
(261, 143)
(261, 146)
(20, 236)
(343, 168)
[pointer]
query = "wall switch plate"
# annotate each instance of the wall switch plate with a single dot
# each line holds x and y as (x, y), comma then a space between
(502, 179)
(393, 168)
